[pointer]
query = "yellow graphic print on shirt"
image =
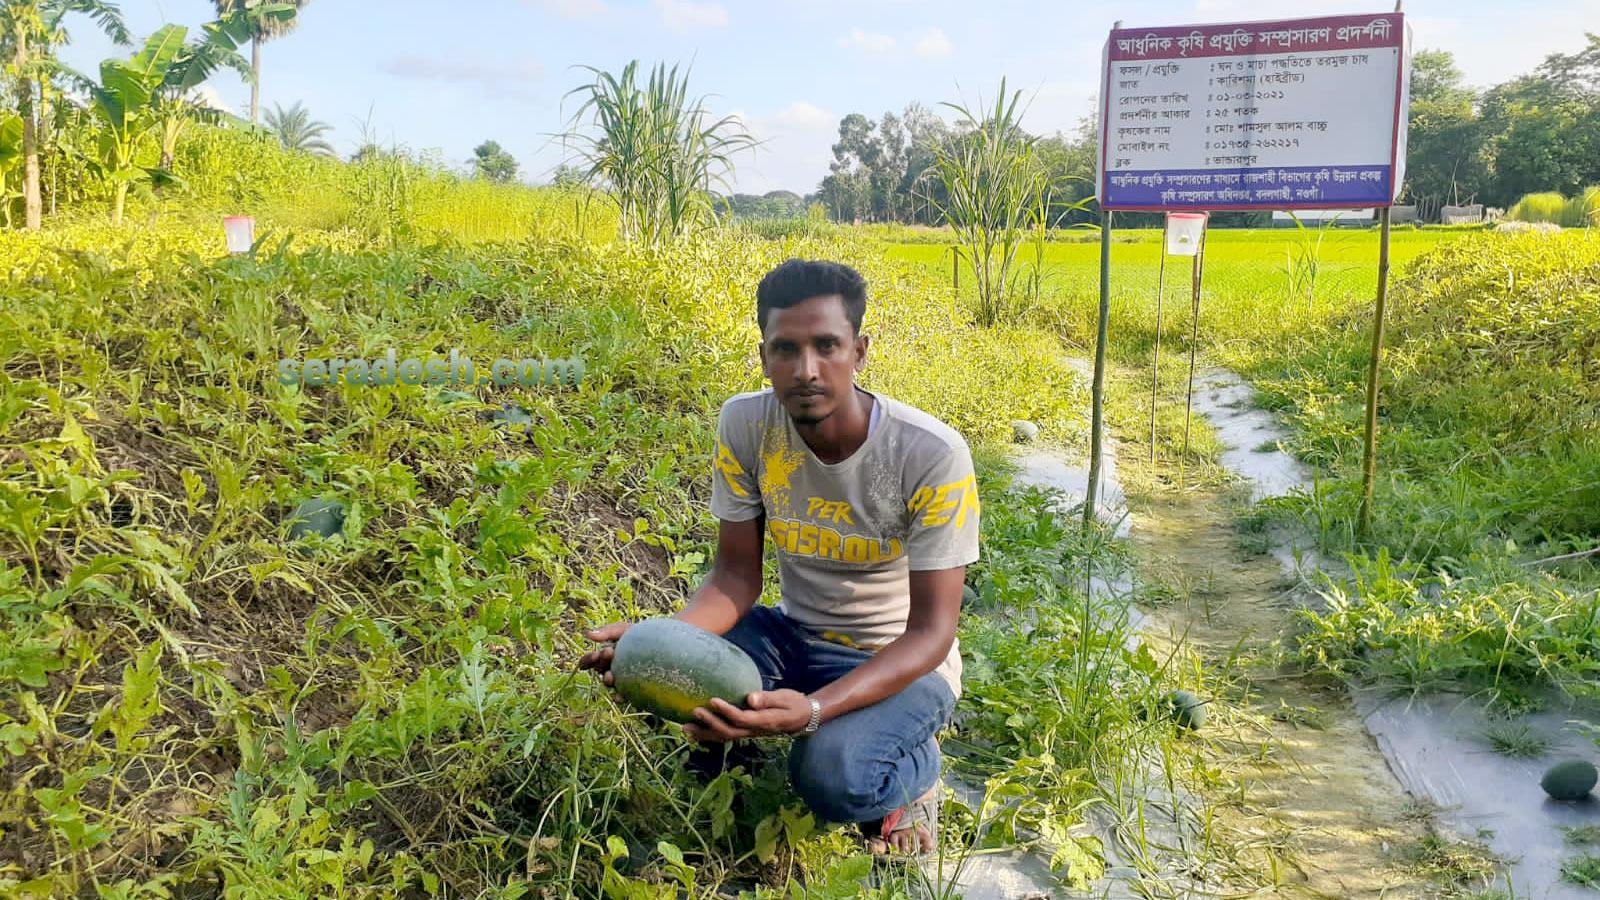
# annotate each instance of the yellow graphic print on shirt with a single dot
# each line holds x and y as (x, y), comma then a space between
(810, 539)
(832, 510)
(778, 464)
(936, 503)
(728, 465)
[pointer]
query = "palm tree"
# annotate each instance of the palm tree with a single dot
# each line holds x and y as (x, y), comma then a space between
(268, 19)
(29, 32)
(296, 130)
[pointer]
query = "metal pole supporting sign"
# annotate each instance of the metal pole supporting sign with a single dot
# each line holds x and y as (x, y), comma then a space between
(1097, 415)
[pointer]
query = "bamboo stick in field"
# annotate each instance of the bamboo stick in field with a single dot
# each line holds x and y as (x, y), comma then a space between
(1155, 366)
(1194, 342)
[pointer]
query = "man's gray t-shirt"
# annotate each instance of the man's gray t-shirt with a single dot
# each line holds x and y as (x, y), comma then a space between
(849, 533)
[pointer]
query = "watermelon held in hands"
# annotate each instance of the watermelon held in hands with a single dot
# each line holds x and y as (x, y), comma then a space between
(669, 667)
(1570, 780)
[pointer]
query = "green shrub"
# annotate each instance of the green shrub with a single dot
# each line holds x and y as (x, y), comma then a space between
(1491, 420)
(1545, 207)
(1583, 211)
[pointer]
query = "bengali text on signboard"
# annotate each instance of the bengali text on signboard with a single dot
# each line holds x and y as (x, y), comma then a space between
(1306, 113)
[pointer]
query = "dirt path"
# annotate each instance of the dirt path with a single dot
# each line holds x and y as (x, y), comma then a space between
(1299, 781)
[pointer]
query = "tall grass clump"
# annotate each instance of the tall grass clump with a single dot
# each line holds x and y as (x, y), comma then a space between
(998, 195)
(1500, 628)
(1583, 211)
(1549, 206)
(655, 151)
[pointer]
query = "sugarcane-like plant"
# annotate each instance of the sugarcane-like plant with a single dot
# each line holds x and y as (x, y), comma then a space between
(658, 153)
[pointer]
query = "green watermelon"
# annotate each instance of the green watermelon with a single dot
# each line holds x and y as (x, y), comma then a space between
(1188, 710)
(316, 516)
(1569, 780)
(512, 414)
(669, 667)
(453, 397)
(1023, 431)
(968, 595)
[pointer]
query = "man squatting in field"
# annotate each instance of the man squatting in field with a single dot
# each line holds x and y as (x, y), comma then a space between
(874, 509)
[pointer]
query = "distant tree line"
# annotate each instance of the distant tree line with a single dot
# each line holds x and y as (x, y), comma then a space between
(1537, 132)
(771, 205)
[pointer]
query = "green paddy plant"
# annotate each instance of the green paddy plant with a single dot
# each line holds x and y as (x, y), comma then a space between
(1303, 259)
(657, 152)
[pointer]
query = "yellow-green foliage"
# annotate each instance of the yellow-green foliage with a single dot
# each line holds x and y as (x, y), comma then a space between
(188, 702)
(1578, 212)
(1583, 210)
(390, 194)
(1491, 420)
(1546, 207)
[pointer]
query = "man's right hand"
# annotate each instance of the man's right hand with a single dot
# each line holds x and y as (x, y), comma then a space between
(600, 659)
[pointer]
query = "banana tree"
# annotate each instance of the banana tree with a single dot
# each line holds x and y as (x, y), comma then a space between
(124, 101)
(29, 31)
(10, 153)
(175, 104)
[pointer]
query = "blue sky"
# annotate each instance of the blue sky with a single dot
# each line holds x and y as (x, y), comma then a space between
(446, 76)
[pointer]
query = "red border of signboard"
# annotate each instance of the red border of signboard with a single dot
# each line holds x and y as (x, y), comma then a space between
(1394, 133)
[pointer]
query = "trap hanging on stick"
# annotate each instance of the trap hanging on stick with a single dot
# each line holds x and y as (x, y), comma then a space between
(240, 232)
(1185, 232)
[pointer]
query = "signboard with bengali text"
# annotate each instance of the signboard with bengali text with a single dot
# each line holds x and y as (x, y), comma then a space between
(1293, 114)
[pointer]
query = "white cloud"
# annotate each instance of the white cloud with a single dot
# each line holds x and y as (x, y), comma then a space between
(495, 79)
(689, 15)
(797, 147)
(209, 97)
(869, 42)
(925, 43)
(932, 43)
(576, 9)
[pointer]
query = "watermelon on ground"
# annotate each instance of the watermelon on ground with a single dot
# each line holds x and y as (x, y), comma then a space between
(1188, 710)
(316, 516)
(1572, 779)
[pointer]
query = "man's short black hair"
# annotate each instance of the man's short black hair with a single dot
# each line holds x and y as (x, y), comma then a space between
(798, 280)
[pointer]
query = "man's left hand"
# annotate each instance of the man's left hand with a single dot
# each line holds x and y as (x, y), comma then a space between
(782, 711)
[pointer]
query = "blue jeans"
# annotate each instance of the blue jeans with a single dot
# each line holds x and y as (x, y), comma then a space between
(864, 764)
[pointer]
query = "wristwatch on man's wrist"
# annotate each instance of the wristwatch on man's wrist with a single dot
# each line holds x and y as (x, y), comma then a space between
(816, 717)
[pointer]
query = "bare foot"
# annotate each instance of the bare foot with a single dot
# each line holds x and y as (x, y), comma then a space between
(905, 841)
(911, 840)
